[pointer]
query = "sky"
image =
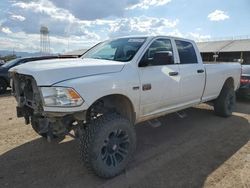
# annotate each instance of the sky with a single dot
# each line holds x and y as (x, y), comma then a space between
(79, 24)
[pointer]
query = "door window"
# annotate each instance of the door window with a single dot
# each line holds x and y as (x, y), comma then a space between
(186, 52)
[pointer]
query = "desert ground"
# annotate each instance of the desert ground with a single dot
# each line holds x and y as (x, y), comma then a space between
(200, 150)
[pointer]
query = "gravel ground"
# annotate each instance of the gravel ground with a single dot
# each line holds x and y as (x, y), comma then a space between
(200, 150)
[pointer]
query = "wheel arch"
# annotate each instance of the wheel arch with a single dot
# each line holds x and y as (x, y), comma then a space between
(122, 104)
(229, 83)
(225, 102)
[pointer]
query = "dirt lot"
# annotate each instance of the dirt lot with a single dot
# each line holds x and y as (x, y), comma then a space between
(201, 150)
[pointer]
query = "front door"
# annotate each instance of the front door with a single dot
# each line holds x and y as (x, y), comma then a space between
(159, 80)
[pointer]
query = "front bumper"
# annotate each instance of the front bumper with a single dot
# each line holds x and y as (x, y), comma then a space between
(30, 103)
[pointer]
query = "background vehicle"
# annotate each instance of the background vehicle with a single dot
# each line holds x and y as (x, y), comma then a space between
(1, 62)
(4, 76)
(115, 85)
(244, 90)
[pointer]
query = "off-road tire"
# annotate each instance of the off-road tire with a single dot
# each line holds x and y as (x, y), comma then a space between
(96, 139)
(3, 86)
(225, 104)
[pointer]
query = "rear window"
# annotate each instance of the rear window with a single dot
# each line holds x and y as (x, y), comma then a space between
(186, 52)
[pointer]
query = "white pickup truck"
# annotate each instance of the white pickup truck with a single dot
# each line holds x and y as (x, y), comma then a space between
(115, 85)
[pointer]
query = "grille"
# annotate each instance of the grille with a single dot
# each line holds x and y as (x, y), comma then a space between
(26, 92)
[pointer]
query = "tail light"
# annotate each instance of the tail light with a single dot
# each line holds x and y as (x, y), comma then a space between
(245, 80)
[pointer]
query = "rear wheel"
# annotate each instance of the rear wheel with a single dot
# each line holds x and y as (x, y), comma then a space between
(3, 86)
(225, 104)
(107, 144)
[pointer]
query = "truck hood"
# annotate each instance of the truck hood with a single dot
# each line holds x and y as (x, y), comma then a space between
(2, 69)
(49, 72)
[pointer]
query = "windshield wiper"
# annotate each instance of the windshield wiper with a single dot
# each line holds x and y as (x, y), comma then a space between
(102, 58)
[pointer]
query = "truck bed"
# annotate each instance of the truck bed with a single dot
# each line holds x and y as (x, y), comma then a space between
(216, 73)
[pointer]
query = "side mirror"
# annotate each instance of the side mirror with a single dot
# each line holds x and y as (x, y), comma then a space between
(163, 58)
(143, 63)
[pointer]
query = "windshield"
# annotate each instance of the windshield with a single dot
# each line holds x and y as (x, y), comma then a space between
(123, 49)
(10, 63)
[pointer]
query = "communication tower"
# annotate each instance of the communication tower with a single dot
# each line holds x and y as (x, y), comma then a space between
(44, 40)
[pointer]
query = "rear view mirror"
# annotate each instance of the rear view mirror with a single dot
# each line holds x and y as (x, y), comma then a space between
(163, 58)
(158, 58)
(144, 63)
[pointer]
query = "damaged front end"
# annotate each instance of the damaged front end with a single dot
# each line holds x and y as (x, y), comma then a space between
(29, 102)
(30, 107)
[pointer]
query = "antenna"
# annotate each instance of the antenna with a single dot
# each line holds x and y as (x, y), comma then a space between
(44, 40)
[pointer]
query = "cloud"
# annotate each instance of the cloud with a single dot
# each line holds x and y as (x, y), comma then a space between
(87, 37)
(195, 35)
(5, 30)
(146, 4)
(198, 37)
(175, 33)
(97, 9)
(43, 12)
(80, 23)
(19, 42)
(46, 7)
(17, 17)
(62, 22)
(141, 26)
(218, 15)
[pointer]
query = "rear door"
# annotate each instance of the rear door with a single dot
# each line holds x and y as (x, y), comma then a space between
(159, 81)
(192, 73)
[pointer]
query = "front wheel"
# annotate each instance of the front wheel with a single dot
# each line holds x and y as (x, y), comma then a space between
(225, 104)
(107, 144)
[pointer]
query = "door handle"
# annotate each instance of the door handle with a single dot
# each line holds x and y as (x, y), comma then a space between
(173, 73)
(200, 71)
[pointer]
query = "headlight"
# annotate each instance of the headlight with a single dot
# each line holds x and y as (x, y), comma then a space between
(60, 97)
